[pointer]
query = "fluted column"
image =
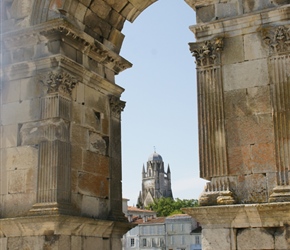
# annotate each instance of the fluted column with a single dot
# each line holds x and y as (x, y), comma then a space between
(212, 142)
(278, 40)
(116, 107)
(54, 171)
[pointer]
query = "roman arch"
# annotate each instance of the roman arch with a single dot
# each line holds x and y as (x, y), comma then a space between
(60, 176)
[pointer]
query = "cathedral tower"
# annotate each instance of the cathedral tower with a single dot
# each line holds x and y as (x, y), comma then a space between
(156, 183)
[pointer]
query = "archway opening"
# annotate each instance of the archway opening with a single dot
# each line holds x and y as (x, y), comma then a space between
(160, 91)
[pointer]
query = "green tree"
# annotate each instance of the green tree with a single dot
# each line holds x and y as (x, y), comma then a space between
(168, 206)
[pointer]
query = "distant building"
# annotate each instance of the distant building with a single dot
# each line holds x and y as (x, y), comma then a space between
(182, 233)
(156, 183)
(177, 232)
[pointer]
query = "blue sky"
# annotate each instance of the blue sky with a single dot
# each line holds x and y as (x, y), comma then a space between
(161, 98)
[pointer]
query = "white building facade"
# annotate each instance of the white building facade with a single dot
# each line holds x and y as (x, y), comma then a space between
(177, 232)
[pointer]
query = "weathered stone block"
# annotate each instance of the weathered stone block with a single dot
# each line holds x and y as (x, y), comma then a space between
(97, 24)
(91, 242)
(3, 183)
(101, 8)
(253, 47)
(94, 207)
(253, 5)
(30, 88)
(96, 163)
(116, 20)
(263, 158)
(18, 204)
(78, 111)
(24, 157)
(92, 119)
(282, 240)
(252, 188)
(205, 14)
(80, 12)
(76, 157)
(93, 185)
(236, 103)
(9, 135)
(254, 238)
(69, 51)
(53, 47)
(64, 242)
(216, 239)
(80, 136)
(233, 51)
(97, 143)
(80, 93)
(25, 111)
(116, 38)
(259, 100)
(245, 75)
(239, 159)
(51, 129)
(3, 243)
(16, 181)
(76, 243)
(226, 9)
(246, 130)
(11, 91)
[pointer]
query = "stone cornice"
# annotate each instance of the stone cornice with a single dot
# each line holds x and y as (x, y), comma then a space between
(65, 31)
(242, 216)
(19, 70)
(247, 23)
(61, 224)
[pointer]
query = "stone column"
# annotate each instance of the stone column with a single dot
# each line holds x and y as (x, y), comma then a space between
(116, 107)
(243, 98)
(212, 140)
(277, 38)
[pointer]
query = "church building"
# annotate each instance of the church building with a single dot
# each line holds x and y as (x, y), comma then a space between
(156, 183)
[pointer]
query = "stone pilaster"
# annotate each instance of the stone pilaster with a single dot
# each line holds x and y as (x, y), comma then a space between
(278, 41)
(212, 140)
(116, 107)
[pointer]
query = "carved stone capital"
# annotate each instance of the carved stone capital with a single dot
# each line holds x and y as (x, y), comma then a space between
(59, 82)
(117, 106)
(207, 53)
(277, 38)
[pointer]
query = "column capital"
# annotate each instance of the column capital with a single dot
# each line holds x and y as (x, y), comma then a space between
(277, 38)
(117, 106)
(207, 53)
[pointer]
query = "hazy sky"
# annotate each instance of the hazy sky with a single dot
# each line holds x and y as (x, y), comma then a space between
(160, 95)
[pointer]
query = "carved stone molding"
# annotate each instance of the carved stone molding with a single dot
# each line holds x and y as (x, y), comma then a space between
(277, 38)
(208, 52)
(59, 82)
(117, 106)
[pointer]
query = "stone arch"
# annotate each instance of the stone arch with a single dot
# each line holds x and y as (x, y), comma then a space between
(101, 19)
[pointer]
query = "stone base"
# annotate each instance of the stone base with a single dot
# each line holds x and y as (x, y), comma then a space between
(52, 209)
(244, 227)
(280, 194)
(216, 198)
(61, 232)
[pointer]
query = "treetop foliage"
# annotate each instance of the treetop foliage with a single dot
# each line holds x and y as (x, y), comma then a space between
(167, 206)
